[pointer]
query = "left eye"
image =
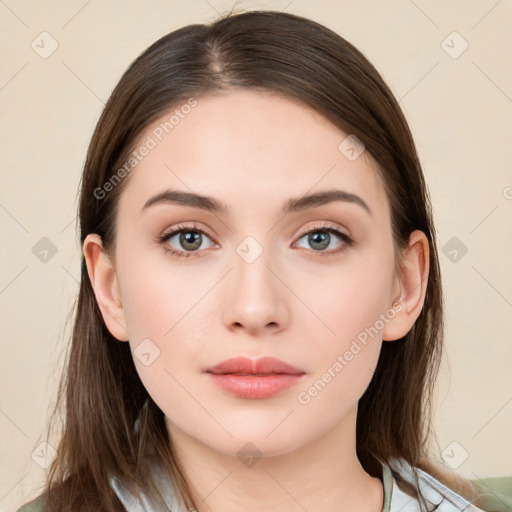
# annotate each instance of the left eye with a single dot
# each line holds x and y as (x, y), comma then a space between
(321, 238)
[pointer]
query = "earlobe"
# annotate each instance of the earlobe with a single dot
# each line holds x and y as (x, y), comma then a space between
(413, 281)
(105, 285)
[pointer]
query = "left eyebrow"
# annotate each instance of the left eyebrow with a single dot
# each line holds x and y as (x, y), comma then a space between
(295, 204)
(321, 198)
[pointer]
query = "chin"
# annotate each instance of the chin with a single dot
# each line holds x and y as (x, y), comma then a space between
(257, 442)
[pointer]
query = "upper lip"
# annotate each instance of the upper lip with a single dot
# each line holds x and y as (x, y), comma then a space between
(264, 365)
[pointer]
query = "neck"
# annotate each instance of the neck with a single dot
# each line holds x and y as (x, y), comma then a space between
(324, 475)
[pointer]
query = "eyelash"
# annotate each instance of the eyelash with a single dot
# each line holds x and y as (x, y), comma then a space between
(162, 240)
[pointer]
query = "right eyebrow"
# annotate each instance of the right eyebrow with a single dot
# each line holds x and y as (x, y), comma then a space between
(183, 198)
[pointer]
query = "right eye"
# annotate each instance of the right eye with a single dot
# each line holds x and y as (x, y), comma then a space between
(190, 238)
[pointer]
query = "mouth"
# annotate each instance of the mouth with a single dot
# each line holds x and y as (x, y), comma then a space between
(253, 374)
(254, 379)
(259, 367)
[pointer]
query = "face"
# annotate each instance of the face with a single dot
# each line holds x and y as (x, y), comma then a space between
(312, 286)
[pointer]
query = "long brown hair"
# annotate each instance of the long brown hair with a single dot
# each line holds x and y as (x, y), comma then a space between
(100, 391)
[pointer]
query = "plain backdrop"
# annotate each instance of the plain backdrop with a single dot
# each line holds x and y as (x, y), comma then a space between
(449, 64)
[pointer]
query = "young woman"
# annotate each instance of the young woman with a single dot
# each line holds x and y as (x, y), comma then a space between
(260, 318)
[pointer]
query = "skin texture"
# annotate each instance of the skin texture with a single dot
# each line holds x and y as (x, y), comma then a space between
(254, 151)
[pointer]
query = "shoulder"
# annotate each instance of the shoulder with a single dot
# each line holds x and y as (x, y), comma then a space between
(441, 497)
(497, 493)
(36, 505)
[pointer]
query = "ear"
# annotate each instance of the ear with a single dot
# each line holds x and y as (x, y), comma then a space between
(412, 283)
(106, 286)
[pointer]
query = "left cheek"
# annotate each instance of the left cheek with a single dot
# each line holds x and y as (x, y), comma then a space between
(352, 371)
(347, 307)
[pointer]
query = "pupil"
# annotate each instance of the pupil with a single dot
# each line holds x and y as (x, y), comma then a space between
(190, 237)
(321, 238)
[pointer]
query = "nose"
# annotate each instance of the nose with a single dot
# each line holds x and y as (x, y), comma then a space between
(255, 300)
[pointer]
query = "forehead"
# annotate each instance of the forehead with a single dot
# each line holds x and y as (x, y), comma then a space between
(246, 148)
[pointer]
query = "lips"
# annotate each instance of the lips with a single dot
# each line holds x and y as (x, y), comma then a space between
(254, 379)
(259, 367)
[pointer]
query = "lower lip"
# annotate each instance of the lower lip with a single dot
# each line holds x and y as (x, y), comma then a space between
(246, 386)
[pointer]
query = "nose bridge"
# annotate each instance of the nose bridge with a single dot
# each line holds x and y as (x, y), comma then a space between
(252, 274)
(256, 296)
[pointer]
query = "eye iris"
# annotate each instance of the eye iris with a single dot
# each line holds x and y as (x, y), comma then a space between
(190, 237)
(319, 237)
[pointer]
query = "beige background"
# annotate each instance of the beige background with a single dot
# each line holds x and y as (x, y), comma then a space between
(460, 112)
